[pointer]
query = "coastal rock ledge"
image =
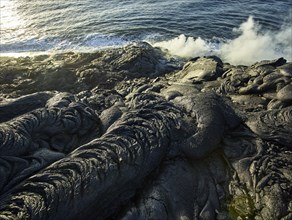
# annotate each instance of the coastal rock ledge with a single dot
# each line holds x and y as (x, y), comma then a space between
(132, 133)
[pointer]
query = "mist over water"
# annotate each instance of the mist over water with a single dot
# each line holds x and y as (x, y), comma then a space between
(239, 32)
(252, 44)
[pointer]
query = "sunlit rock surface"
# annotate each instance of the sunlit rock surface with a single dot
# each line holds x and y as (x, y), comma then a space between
(131, 133)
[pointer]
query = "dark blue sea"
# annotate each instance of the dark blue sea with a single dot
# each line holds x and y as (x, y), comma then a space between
(238, 31)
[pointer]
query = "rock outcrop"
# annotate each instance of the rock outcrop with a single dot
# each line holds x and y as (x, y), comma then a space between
(129, 133)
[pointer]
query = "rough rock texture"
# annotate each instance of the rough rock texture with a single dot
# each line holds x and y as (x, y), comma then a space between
(75, 72)
(129, 133)
(205, 68)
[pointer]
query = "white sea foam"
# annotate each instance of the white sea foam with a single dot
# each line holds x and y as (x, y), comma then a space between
(252, 44)
(89, 43)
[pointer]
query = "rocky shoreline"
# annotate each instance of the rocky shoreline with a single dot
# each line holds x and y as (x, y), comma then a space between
(132, 133)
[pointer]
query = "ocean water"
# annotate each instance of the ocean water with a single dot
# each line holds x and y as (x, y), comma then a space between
(238, 31)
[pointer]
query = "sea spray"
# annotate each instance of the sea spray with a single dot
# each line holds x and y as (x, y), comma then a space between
(252, 44)
(185, 46)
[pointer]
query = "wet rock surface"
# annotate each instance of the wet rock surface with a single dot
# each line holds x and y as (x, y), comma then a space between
(129, 133)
